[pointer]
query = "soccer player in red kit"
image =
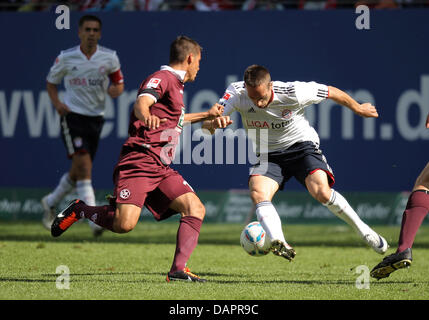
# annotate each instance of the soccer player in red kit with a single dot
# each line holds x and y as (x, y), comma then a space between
(416, 210)
(142, 175)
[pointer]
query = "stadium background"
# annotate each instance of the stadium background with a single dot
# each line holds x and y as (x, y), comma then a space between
(375, 161)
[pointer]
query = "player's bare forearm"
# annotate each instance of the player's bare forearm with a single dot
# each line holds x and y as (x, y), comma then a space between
(61, 108)
(215, 111)
(142, 112)
(196, 117)
(115, 89)
(366, 110)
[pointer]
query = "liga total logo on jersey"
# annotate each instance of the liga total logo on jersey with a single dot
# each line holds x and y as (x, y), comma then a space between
(153, 83)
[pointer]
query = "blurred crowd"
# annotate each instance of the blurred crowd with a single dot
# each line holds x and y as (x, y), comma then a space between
(203, 5)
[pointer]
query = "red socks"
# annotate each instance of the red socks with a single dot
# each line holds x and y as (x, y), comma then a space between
(187, 239)
(102, 215)
(416, 210)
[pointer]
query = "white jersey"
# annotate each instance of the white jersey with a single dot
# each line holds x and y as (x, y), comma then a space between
(85, 80)
(283, 118)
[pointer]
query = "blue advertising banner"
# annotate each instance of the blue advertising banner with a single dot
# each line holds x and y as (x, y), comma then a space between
(385, 64)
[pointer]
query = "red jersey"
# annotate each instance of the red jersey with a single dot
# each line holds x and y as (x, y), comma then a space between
(166, 88)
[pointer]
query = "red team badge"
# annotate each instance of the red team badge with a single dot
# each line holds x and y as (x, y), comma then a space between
(153, 83)
(226, 96)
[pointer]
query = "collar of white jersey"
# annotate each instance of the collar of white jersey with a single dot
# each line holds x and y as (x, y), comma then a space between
(84, 55)
(179, 73)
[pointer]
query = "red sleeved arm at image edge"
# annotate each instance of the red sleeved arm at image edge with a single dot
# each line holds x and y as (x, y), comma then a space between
(116, 77)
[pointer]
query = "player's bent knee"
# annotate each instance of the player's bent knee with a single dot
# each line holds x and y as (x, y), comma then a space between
(323, 195)
(258, 196)
(198, 210)
(126, 218)
(124, 226)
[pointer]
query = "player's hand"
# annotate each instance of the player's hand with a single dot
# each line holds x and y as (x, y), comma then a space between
(153, 122)
(215, 111)
(62, 109)
(367, 110)
(427, 122)
(221, 122)
(115, 90)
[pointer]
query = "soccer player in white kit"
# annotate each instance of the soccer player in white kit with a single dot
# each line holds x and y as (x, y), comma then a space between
(86, 70)
(290, 149)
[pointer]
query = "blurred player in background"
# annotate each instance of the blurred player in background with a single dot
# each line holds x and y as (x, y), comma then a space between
(416, 210)
(143, 175)
(292, 148)
(86, 70)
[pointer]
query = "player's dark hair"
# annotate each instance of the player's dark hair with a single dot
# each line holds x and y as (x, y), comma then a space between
(181, 47)
(256, 75)
(89, 17)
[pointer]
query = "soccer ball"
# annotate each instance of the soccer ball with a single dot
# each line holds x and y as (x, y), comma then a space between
(254, 240)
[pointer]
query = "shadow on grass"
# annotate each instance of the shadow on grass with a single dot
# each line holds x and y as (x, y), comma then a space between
(211, 276)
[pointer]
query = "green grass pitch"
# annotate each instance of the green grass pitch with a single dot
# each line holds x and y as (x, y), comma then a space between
(134, 265)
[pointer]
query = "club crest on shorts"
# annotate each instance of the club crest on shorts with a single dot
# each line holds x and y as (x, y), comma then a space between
(78, 142)
(124, 194)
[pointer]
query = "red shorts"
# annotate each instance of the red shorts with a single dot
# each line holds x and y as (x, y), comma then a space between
(140, 179)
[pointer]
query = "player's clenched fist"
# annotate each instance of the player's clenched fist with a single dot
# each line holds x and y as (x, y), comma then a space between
(367, 110)
(221, 122)
(215, 111)
(62, 108)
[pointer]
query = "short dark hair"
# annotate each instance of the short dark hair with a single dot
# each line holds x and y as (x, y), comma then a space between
(181, 47)
(256, 75)
(89, 17)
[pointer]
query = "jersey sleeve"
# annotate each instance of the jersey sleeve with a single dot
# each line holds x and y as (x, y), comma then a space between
(229, 100)
(154, 86)
(308, 93)
(57, 71)
(115, 74)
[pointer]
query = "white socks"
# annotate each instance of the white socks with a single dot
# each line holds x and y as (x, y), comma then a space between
(269, 219)
(85, 192)
(339, 206)
(65, 186)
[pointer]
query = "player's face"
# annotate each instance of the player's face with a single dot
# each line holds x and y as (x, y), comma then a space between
(260, 95)
(90, 33)
(194, 66)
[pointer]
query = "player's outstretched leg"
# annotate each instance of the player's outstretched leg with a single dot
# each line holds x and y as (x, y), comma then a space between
(104, 216)
(66, 218)
(193, 212)
(338, 205)
(318, 187)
